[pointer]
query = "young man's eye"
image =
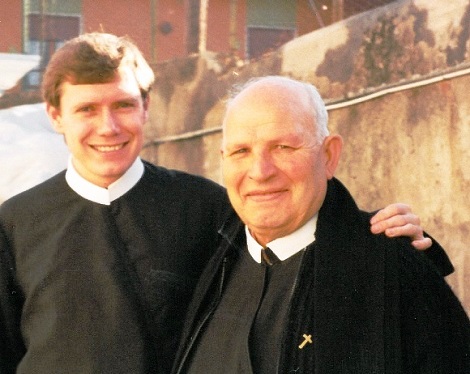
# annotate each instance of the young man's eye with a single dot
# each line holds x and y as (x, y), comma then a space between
(85, 109)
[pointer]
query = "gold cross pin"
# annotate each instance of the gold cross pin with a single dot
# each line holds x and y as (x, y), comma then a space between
(308, 339)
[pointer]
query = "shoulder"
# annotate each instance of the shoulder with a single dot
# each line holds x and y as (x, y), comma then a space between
(433, 321)
(175, 189)
(170, 178)
(414, 264)
(47, 193)
(38, 209)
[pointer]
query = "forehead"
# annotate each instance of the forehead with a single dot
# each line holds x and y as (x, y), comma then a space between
(123, 85)
(266, 115)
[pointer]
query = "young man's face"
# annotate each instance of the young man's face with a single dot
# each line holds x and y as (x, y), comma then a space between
(102, 125)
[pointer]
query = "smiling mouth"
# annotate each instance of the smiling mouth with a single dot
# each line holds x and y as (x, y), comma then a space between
(109, 148)
(265, 196)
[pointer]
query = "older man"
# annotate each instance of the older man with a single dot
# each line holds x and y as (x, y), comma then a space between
(299, 283)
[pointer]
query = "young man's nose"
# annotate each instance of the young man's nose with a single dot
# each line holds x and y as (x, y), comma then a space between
(108, 122)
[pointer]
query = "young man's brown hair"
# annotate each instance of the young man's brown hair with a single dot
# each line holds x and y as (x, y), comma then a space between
(94, 58)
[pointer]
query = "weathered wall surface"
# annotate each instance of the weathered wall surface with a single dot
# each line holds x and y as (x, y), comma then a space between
(406, 139)
(413, 146)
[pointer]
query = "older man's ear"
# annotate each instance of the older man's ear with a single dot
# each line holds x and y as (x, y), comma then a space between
(332, 147)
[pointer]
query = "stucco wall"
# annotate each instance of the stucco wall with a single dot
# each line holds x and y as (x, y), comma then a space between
(409, 141)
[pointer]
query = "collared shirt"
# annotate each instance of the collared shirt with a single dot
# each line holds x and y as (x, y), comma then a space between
(101, 195)
(286, 246)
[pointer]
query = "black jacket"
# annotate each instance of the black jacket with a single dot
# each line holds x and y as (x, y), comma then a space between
(373, 304)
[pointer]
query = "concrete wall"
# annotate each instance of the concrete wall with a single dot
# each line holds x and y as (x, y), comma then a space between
(413, 146)
(396, 85)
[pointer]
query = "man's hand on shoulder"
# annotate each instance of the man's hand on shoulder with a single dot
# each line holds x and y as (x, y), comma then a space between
(399, 220)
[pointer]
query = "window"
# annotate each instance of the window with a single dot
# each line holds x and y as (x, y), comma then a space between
(262, 40)
(48, 24)
(269, 25)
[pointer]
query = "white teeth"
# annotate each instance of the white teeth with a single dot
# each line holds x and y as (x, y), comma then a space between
(108, 148)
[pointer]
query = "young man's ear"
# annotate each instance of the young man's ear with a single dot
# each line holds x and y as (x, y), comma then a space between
(55, 117)
(333, 145)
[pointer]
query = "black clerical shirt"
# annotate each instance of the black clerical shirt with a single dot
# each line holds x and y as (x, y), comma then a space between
(93, 288)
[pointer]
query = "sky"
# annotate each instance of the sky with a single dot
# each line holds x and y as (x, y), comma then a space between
(30, 150)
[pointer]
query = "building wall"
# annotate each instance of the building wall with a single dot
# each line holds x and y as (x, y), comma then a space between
(172, 44)
(221, 27)
(159, 27)
(307, 21)
(120, 17)
(11, 34)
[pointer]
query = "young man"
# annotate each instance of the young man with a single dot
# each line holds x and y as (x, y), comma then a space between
(299, 284)
(98, 264)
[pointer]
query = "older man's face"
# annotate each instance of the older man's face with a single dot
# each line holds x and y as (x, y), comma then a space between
(274, 169)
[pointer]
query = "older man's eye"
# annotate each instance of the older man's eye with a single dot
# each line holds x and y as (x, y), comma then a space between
(238, 151)
(125, 104)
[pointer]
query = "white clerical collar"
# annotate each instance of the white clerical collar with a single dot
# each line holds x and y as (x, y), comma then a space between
(99, 194)
(286, 246)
